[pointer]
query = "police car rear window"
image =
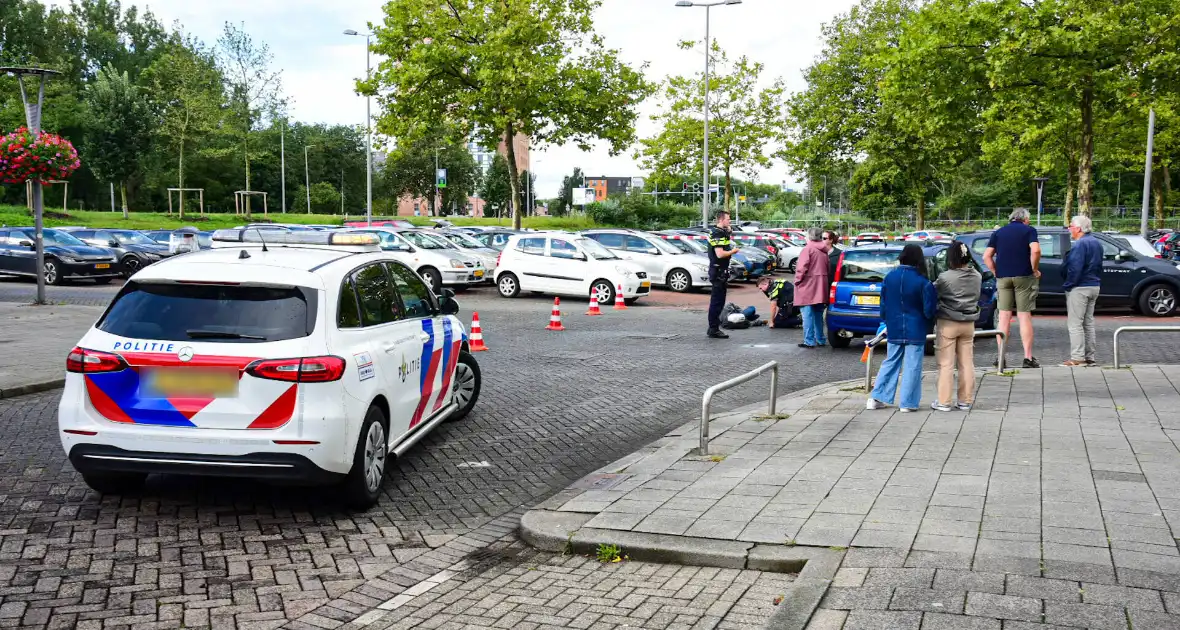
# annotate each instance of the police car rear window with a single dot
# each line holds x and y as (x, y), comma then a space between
(210, 313)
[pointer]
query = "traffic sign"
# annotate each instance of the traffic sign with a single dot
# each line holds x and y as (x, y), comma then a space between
(440, 178)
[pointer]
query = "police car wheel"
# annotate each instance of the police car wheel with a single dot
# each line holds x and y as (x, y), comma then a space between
(679, 280)
(114, 482)
(468, 381)
(362, 486)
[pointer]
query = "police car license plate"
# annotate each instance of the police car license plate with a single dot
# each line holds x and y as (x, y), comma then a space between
(191, 382)
(866, 300)
(479, 273)
(102, 266)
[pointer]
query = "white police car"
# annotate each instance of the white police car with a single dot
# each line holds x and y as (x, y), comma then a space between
(308, 359)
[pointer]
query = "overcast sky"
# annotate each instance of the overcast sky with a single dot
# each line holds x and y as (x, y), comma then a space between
(319, 63)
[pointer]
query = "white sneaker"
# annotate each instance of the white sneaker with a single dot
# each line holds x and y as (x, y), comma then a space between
(937, 406)
(964, 406)
(908, 410)
(873, 403)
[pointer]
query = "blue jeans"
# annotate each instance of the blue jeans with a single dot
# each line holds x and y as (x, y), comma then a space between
(813, 325)
(904, 361)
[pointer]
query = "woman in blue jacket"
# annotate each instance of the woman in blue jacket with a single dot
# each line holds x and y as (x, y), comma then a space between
(909, 303)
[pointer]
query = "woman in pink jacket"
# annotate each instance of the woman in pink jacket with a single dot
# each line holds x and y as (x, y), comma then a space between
(811, 288)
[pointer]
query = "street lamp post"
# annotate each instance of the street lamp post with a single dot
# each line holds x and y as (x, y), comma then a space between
(1147, 173)
(368, 130)
(1040, 196)
(708, 6)
(307, 177)
(33, 119)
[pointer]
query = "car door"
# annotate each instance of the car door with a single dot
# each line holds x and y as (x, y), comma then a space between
(1120, 274)
(441, 340)
(22, 251)
(535, 271)
(1052, 259)
(646, 256)
(392, 347)
(568, 266)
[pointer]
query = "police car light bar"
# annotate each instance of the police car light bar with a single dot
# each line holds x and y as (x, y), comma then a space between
(280, 238)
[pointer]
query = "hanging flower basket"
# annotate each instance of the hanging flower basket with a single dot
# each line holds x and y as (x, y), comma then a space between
(44, 156)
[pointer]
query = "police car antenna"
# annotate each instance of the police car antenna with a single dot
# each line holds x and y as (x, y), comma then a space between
(261, 239)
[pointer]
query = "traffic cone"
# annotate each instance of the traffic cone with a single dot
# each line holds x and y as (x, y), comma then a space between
(593, 305)
(476, 341)
(620, 305)
(555, 318)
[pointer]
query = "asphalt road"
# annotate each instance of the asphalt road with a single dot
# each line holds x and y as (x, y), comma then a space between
(555, 406)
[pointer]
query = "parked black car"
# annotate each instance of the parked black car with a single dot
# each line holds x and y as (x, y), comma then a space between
(1144, 284)
(66, 258)
(134, 249)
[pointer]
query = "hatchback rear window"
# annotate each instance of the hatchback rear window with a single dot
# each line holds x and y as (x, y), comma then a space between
(210, 313)
(867, 266)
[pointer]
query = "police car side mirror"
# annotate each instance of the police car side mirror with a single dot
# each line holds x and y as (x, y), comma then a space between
(447, 304)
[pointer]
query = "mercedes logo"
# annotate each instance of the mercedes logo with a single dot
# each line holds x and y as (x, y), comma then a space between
(185, 354)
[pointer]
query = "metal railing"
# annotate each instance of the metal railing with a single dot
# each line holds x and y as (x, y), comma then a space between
(1123, 329)
(707, 401)
(978, 334)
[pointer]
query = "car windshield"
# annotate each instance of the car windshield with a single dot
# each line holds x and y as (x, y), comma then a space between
(419, 239)
(663, 246)
(132, 238)
(696, 246)
(64, 239)
(210, 313)
(867, 266)
(595, 249)
(462, 240)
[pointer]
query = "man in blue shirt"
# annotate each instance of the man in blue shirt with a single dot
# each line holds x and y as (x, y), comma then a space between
(1013, 254)
(1083, 275)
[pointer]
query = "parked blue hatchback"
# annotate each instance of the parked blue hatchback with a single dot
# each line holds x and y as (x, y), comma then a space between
(854, 304)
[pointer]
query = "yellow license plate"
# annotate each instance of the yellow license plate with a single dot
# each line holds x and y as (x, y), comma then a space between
(867, 300)
(102, 266)
(191, 382)
(645, 285)
(479, 273)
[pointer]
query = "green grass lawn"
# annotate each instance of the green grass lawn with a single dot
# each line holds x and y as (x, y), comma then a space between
(19, 216)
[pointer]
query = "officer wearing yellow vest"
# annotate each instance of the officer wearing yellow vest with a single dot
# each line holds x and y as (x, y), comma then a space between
(720, 249)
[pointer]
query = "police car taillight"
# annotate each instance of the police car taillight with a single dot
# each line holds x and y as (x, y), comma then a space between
(301, 370)
(83, 361)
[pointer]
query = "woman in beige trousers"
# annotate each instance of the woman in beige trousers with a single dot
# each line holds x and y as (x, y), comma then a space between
(958, 307)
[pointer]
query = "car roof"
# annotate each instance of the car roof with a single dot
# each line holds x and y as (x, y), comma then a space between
(279, 264)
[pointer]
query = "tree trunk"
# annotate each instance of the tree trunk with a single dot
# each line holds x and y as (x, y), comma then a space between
(123, 195)
(1069, 191)
(1167, 197)
(921, 199)
(727, 182)
(180, 180)
(246, 156)
(513, 176)
(1086, 161)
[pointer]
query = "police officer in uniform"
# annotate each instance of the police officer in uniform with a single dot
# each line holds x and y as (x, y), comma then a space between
(720, 249)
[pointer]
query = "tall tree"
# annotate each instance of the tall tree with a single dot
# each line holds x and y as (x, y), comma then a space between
(743, 121)
(496, 190)
(252, 86)
(119, 130)
(186, 94)
(565, 203)
(505, 67)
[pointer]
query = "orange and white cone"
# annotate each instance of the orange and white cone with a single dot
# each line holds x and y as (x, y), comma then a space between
(476, 340)
(620, 305)
(593, 305)
(555, 318)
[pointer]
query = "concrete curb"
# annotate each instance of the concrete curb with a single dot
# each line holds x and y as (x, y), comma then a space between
(32, 388)
(562, 532)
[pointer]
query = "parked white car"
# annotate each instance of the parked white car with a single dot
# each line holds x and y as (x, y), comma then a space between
(439, 264)
(665, 264)
(567, 264)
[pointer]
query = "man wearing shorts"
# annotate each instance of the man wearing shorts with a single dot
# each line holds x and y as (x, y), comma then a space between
(1014, 255)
